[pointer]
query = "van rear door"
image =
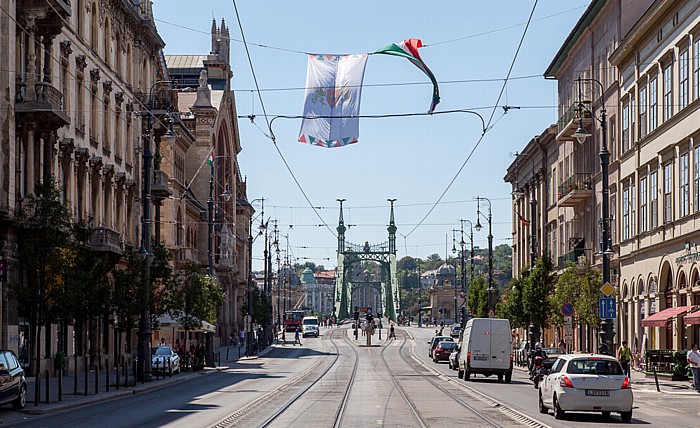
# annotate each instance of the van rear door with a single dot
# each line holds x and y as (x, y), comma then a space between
(480, 343)
(501, 344)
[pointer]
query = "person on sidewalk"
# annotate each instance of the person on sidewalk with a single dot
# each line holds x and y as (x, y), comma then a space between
(625, 356)
(296, 337)
(693, 359)
(284, 338)
(392, 334)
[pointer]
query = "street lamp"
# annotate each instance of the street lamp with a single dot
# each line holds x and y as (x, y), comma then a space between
(461, 258)
(471, 265)
(143, 369)
(420, 292)
(490, 289)
(249, 288)
(605, 247)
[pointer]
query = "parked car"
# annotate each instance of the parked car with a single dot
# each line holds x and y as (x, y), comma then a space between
(453, 361)
(487, 347)
(434, 342)
(164, 359)
(522, 352)
(13, 385)
(310, 330)
(586, 383)
(443, 350)
(455, 330)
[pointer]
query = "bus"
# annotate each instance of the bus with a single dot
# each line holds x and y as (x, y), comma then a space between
(292, 320)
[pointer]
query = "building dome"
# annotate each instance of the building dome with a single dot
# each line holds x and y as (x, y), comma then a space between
(446, 270)
(307, 277)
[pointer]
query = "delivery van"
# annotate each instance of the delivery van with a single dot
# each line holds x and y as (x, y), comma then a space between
(486, 349)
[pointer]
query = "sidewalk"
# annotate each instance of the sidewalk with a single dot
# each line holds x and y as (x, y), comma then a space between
(72, 400)
(646, 384)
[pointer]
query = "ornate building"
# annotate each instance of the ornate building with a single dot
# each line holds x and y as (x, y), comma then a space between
(442, 294)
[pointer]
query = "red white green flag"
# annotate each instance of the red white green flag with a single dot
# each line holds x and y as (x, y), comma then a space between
(409, 49)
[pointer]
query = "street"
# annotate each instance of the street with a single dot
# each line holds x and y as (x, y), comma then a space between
(335, 380)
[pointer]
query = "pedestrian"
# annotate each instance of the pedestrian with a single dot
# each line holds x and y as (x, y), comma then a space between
(231, 339)
(624, 355)
(693, 359)
(296, 337)
(162, 341)
(284, 338)
(392, 335)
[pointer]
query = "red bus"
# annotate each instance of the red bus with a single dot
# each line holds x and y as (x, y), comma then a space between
(292, 320)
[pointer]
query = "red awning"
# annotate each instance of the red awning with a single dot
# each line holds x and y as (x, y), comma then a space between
(693, 318)
(660, 319)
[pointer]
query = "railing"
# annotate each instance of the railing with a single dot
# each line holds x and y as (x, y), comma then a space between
(105, 239)
(570, 114)
(361, 248)
(575, 256)
(578, 181)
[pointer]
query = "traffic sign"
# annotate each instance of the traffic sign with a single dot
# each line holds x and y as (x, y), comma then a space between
(491, 313)
(567, 322)
(607, 289)
(567, 309)
(607, 308)
(246, 322)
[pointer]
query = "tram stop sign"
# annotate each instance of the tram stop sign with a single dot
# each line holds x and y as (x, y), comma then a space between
(567, 309)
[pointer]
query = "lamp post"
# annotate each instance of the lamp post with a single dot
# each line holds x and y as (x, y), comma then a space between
(143, 369)
(420, 292)
(490, 289)
(471, 266)
(276, 243)
(607, 332)
(461, 264)
(249, 288)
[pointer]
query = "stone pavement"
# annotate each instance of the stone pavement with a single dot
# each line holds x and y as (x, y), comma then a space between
(228, 355)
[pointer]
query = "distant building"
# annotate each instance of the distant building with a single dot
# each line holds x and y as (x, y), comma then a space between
(318, 297)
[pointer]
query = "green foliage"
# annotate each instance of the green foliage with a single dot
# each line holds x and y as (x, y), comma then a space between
(195, 298)
(582, 291)
(538, 286)
(162, 280)
(513, 307)
(478, 299)
(127, 289)
(262, 307)
(407, 264)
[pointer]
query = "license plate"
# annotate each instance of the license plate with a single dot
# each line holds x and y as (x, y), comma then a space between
(480, 358)
(598, 392)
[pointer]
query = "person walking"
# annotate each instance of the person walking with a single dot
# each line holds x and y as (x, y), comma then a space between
(284, 338)
(625, 356)
(392, 334)
(693, 359)
(296, 337)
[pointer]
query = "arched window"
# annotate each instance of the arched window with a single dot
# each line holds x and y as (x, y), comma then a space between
(129, 72)
(652, 286)
(641, 288)
(79, 17)
(682, 281)
(108, 43)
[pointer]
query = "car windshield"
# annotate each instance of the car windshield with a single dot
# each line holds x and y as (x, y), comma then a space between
(310, 322)
(594, 366)
(549, 351)
(447, 345)
(163, 351)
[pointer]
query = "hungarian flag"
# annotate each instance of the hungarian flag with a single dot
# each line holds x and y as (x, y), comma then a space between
(409, 49)
(522, 220)
(210, 160)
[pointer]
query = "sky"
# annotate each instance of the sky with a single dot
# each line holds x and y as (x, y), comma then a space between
(417, 160)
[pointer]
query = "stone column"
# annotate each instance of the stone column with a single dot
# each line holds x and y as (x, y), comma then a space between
(30, 177)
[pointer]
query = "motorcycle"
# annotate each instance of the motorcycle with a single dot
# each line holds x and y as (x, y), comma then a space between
(536, 370)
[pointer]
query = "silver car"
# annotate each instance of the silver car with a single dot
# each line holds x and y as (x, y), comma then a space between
(165, 360)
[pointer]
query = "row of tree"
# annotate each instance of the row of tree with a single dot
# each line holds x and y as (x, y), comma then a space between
(59, 279)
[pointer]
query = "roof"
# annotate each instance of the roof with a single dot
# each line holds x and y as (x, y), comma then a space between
(660, 319)
(189, 64)
(693, 318)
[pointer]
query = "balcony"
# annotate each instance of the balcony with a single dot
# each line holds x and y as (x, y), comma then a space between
(577, 256)
(160, 189)
(185, 254)
(576, 189)
(107, 241)
(42, 104)
(569, 122)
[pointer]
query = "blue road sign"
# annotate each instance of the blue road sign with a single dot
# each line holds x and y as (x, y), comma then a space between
(607, 308)
(567, 309)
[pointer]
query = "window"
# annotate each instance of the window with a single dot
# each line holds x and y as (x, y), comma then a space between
(642, 111)
(642, 204)
(625, 128)
(668, 91)
(633, 121)
(633, 209)
(683, 80)
(696, 179)
(613, 216)
(684, 181)
(668, 196)
(653, 103)
(626, 214)
(696, 69)
(654, 198)
(64, 88)
(79, 106)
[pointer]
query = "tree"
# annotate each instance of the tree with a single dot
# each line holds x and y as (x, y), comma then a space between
(538, 286)
(126, 291)
(512, 308)
(43, 227)
(163, 282)
(196, 298)
(478, 299)
(581, 291)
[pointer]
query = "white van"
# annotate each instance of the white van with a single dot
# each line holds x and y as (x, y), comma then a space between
(310, 326)
(486, 348)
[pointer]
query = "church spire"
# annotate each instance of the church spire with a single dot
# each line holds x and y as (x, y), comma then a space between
(392, 228)
(341, 228)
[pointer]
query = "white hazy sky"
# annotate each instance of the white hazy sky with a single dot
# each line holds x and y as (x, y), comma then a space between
(469, 45)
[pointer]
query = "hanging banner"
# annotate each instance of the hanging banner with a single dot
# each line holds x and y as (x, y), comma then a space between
(333, 90)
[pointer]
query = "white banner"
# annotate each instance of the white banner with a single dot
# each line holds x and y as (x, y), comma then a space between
(333, 90)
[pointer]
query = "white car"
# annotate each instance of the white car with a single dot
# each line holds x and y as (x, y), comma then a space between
(165, 359)
(586, 383)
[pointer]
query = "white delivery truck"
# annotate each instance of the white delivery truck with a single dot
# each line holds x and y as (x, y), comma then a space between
(486, 349)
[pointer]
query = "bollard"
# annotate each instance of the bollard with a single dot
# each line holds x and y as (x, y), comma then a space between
(116, 368)
(170, 368)
(97, 379)
(75, 375)
(656, 380)
(107, 375)
(227, 349)
(86, 370)
(46, 372)
(60, 385)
